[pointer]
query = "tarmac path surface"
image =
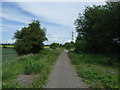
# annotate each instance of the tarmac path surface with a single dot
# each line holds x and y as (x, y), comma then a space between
(63, 74)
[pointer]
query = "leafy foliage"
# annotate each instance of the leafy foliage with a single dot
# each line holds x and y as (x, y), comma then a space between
(30, 39)
(98, 29)
(68, 45)
(54, 45)
(81, 45)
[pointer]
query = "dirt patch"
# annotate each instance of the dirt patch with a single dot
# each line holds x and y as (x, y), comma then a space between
(25, 80)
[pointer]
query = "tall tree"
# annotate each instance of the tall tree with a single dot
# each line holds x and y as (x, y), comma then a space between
(98, 28)
(30, 39)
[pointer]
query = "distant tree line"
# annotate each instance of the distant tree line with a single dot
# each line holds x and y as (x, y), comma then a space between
(6, 44)
(99, 29)
(67, 45)
(55, 45)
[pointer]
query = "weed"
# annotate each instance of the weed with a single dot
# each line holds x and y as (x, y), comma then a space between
(39, 64)
(94, 69)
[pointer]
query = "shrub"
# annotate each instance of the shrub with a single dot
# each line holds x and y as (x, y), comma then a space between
(4, 46)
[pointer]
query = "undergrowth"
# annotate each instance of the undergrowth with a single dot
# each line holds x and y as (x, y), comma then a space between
(99, 71)
(39, 64)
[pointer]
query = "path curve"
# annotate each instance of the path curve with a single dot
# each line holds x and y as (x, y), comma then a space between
(63, 74)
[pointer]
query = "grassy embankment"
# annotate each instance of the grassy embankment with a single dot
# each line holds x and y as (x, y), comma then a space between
(37, 64)
(99, 71)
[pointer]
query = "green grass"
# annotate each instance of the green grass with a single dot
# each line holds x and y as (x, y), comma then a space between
(99, 71)
(11, 70)
(39, 64)
(8, 54)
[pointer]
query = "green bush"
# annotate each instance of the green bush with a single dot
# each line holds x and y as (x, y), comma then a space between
(4, 46)
(80, 46)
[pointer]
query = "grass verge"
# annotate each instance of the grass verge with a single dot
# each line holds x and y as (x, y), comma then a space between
(99, 71)
(38, 64)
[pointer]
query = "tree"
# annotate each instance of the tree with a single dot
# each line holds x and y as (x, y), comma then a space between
(54, 45)
(98, 29)
(30, 39)
(68, 45)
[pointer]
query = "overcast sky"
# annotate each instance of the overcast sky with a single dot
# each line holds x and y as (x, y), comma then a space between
(57, 17)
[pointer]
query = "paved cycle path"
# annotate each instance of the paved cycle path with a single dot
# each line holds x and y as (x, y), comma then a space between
(63, 74)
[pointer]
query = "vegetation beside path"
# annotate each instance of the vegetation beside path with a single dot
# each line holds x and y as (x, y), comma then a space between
(97, 46)
(33, 64)
(99, 71)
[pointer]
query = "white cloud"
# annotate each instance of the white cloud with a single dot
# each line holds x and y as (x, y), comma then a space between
(16, 17)
(69, 40)
(53, 0)
(14, 14)
(8, 41)
(54, 39)
(61, 13)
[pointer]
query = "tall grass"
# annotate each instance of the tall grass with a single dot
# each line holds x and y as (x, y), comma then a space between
(38, 64)
(11, 70)
(103, 60)
(99, 71)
